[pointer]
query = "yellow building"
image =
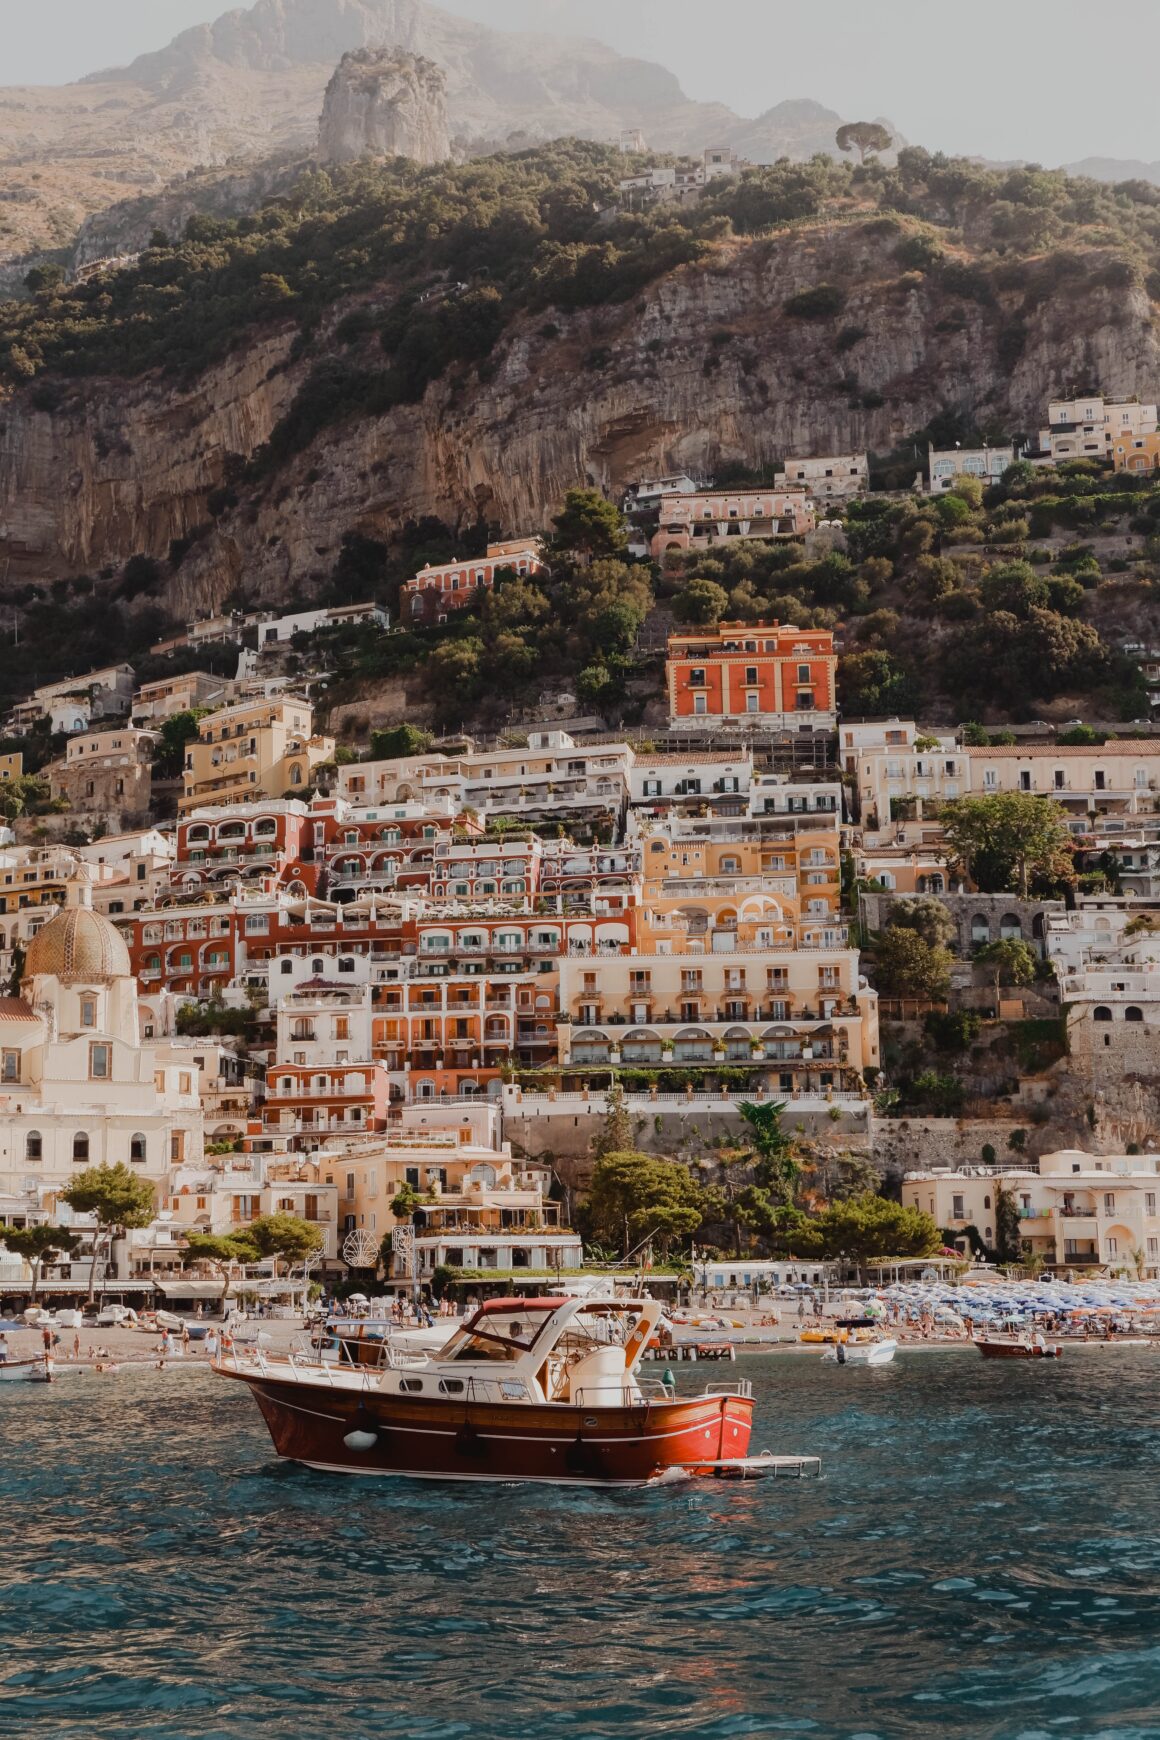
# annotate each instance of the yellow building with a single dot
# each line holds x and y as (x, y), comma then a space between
(1136, 452)
(11, 767)
(784, 867)
(251, 751)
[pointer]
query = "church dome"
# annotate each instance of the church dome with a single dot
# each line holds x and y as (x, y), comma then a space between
(77, 945)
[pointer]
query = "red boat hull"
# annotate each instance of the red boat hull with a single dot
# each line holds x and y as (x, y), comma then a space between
(1016, 1350)
(436, 1440)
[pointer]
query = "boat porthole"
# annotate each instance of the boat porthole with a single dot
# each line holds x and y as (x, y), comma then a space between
(735, 1431)
(708, 1434)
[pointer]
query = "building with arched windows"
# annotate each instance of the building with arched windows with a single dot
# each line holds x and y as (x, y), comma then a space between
(77, 1084)
(1077, 1211)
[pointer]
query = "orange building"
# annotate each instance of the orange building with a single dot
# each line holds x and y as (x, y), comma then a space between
(1136, 452)
(779, 678)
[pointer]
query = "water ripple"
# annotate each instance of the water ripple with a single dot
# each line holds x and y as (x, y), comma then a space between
(977, 1562)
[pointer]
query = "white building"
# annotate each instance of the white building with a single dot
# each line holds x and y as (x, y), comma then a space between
(1093, 932)
(681, 779)
(280, 630)
(647, 494)
(776, 794)
(1087, 428)
(986, 463)
(76, 702)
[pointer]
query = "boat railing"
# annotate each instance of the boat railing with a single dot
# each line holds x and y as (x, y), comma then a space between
(742, 1387)
(402, 1358)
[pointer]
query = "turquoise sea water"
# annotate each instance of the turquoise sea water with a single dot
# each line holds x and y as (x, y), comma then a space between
(981, 1558)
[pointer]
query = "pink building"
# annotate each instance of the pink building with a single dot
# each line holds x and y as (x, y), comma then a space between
(434, 591)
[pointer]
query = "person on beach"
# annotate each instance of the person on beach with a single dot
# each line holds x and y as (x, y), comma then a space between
(3, 1349)
(76, 1346)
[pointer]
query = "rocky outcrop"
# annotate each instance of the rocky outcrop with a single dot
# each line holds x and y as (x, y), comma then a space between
(703, 367)
(385, 103)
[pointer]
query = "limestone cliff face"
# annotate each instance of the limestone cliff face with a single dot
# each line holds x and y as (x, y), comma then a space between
(385, 103)
(703, 367)
(131, 467)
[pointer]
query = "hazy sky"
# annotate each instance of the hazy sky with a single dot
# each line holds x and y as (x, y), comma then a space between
(1053, 82)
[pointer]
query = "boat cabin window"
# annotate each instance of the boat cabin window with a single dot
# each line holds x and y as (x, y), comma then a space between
(412, 1384)
(451, 1386)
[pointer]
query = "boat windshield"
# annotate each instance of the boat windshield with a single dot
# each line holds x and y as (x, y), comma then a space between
(501, 1335)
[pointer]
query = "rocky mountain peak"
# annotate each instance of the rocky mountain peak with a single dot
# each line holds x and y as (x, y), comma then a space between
(384, 102)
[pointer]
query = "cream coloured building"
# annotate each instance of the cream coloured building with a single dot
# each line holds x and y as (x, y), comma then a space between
(907, 779)
(1090, 428)
(1079, 1211)
(828, 477)
(77, 1085)
(481, 1208)
(155, 702)
(1120, 777)
(106, 772)
(251, 751)
(806, 1016)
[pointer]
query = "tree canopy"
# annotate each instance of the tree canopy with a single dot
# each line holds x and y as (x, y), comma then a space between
(905, 965)
(115, 1195)
(590, 525)
(36, 1243)
(865, 137)
(1005, 841)
(636, 1197)
(284, 1235)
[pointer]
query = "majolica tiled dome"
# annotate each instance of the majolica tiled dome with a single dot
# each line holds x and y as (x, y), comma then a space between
(78, 944)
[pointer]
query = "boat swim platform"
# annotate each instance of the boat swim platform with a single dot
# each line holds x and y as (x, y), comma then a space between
(764, 1466)
(692, 1351)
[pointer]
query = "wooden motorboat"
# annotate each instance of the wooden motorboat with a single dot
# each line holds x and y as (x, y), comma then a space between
(35, 1371)
(1017, 1347)
(528, 1389)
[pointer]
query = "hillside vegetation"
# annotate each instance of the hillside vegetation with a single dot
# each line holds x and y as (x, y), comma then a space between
(537, 230)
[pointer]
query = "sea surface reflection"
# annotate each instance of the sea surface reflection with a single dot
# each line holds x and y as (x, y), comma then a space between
(980, 1559)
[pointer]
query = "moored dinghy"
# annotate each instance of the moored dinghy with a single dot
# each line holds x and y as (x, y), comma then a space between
(860, 1341)
(34, 1371)
(1018, 1347)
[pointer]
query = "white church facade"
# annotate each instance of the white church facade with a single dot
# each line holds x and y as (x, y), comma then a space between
(78, 1086)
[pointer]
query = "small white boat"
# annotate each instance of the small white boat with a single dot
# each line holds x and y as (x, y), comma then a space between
(853, 1347)
(29, 1371)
